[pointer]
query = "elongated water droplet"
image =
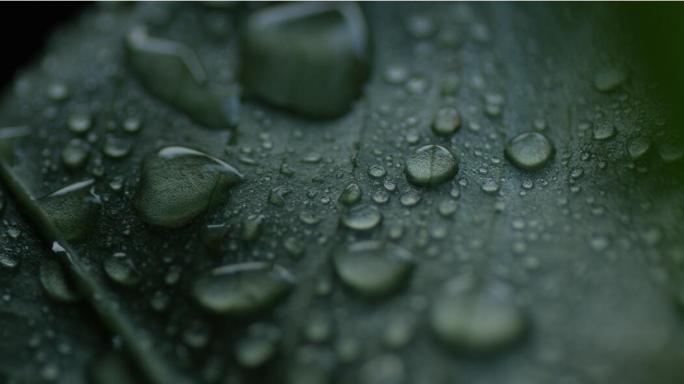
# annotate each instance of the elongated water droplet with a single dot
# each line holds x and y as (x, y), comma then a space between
(177, 184)
(172, 72)
(476, 322)
(310, 58)
(242, 289)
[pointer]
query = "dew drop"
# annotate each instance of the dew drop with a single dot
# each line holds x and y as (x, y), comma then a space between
(242, 289)
(431, 165)
(177, 184)
(372, 268)
(361, 218)
(476, 322)
(311, 58)
(529, 150)
(73, 210)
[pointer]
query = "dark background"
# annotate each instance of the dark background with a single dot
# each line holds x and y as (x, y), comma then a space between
(24, 28)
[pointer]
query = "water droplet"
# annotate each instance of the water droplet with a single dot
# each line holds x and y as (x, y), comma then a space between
(351, 194)
(277, 196)
(669, 152)
(599, 243)
(490, 186)
(55, 281)
(609, 79)
(395, 74)
(121, 270)
(603, 131)
(372, 268)
(242, 289)
(637, 147)
(529, 151)
(307, 57)
(7, 261)
(361, 218)
(75, 154)
(476, 322)
(258, 347)
(409, 198)
(376, 171)
(116, 148)
(79, 123)
(251, 227)
(73, 210)
(178, 183)
(58, 91)
(380, 196)
(447, 121)
(447, 207)
(384, 369)
(132, 125)
(172, 72)
(431, 165)
(421, 26)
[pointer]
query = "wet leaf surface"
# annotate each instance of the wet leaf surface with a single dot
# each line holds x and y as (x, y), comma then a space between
(570, 272)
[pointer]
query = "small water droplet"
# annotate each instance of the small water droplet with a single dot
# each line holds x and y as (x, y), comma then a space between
(447, 121)
(361, 218)
(529, 151)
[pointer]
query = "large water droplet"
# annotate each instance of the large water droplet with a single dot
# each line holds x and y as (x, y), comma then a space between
(172, 72)
(372, 268)
(178, 183)
(308, 57)
(73, 210)
(242, 289)
(476, 322)
(431, 165)
(529, 151)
